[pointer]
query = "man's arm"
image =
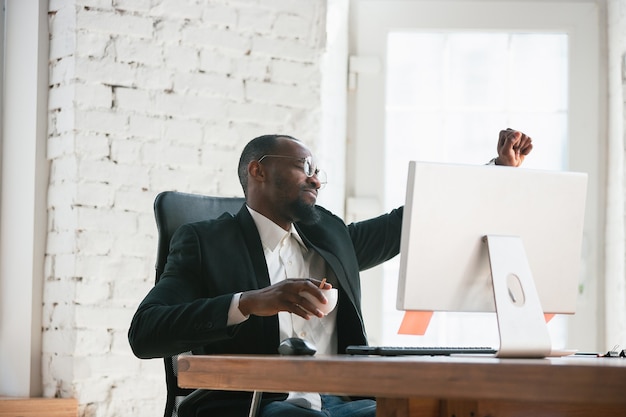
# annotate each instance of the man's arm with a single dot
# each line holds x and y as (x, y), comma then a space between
(178, 314)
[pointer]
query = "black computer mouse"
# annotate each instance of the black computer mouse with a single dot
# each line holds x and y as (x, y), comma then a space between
(296, 346)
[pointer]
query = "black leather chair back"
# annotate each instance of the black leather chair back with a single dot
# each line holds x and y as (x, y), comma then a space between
(171, 210)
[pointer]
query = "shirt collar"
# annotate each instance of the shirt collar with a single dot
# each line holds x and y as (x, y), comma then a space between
(271, 234)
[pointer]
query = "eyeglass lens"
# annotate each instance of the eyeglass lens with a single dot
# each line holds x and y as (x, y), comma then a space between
(307, 166)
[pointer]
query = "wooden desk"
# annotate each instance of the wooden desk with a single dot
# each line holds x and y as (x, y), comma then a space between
(429, 386)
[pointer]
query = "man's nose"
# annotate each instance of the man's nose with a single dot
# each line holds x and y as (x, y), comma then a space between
(315, 181)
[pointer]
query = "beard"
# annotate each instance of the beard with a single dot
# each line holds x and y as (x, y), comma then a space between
(305, 213)
(299, 210)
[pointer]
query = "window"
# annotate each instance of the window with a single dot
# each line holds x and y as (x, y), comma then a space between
(431, 71)
(447, 94)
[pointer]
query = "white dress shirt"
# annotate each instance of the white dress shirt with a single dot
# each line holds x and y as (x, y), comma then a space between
(287, 256)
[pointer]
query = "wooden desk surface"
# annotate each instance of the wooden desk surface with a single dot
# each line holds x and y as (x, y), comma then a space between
(570, 380)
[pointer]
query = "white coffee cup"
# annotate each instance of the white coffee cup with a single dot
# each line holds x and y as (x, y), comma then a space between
(331, 295)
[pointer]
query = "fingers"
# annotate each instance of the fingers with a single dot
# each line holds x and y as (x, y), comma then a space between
(513, 146)
(304, 308)
(308, 295)
(285, 296)
(515, 140)
(526, 145)
(510, 138)
(304, 311)
(501, 139)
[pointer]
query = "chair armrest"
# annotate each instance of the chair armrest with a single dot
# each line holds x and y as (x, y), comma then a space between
(187, 407)
(189, 404)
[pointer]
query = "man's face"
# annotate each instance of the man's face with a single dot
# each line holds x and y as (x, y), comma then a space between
(293, 194)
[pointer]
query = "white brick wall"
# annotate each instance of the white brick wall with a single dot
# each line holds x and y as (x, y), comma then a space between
(142, 99)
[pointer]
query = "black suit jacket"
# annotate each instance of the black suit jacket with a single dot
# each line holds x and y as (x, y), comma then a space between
(209, 261)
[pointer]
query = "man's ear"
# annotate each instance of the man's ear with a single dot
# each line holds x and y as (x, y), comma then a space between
(256, 171)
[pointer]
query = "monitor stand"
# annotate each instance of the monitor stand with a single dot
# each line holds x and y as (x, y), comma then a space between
(523, 330)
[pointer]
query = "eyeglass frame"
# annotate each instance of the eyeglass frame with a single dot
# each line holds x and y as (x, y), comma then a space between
(308, 160)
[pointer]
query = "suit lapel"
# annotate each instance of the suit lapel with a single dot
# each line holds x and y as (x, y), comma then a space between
(334, 264)
(255, 248)
(350, 326)
(269, 332)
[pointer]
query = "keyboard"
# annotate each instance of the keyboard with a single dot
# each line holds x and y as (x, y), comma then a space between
(417, 350)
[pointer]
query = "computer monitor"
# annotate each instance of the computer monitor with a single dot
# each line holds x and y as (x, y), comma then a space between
(463, 222)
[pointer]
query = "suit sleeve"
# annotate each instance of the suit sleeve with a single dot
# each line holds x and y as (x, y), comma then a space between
(377, 240)
(178, 314)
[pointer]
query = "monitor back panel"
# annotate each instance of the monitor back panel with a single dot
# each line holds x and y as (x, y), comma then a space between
(449, 208)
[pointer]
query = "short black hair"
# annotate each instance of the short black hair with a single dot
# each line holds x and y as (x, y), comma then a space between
(253, 151)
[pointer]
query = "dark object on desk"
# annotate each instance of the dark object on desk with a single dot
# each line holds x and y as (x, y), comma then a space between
(172, 209)
(296, 346)
(587, 354)
(417, 350)
(614, 353)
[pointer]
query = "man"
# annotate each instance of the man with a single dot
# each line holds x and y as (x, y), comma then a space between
(234, 284)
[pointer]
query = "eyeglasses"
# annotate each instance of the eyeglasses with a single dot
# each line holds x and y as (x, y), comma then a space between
(307, 166)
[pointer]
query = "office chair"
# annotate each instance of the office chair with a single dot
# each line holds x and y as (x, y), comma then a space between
(171, 210)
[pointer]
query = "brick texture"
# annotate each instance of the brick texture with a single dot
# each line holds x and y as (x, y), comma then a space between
(149, 96)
